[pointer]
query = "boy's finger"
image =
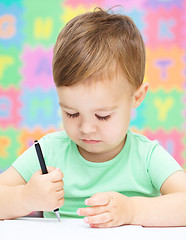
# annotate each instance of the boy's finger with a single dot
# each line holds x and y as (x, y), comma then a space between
(55, 175)
(98, 199)
(91, 211)
(50, 168)
(97, 219)
(60, 194)
(59, 185)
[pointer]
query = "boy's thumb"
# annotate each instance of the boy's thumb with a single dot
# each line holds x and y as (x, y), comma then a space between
(49, 169)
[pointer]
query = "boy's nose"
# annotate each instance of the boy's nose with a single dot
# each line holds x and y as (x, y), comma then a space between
(87, 127)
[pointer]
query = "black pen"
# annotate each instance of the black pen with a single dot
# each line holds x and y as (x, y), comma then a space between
(44, 169)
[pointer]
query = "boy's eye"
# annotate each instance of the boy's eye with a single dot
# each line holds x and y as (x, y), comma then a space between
(74, 115)
(103, 118)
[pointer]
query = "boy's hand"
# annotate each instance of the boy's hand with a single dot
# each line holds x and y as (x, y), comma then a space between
(108, 209)
(44, 192)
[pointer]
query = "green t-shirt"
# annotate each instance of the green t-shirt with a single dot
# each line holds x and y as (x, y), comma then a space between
(138, 170)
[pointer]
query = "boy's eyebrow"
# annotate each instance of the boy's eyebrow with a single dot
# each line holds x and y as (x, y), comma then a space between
(99, 109)
(106, 109)
(64, 106)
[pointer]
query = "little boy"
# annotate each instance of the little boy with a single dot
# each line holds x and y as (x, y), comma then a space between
(112, 176)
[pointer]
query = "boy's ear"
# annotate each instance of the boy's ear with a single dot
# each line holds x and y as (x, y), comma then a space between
(140, 94)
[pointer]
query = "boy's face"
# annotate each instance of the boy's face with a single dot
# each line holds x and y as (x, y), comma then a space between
(96, 116)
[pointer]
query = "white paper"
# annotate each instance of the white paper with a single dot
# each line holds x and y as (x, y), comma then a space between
(40, 228)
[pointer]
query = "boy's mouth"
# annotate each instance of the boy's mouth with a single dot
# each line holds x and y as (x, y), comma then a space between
(90, 141)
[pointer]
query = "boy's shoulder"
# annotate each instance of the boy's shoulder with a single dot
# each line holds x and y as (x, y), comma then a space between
(56, 136)
(142, 147)
(55, 141)
(140, 139)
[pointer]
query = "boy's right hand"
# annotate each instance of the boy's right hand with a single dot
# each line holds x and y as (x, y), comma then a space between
(44, 192)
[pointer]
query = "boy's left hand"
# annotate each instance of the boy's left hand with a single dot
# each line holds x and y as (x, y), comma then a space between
(108, 209)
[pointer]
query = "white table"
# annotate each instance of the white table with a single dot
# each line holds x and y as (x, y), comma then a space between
(51, 229)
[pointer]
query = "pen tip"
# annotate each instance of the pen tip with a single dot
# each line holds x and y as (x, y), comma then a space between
(57, 215)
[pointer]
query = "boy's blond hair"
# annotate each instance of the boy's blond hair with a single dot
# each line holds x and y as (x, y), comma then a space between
(99, 44)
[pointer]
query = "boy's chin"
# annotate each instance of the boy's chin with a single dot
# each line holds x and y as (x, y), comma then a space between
(93, 150)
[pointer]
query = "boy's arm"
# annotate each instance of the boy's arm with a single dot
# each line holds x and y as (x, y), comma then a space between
(41, 193)
(166, 210)
(114, 209)
(11, 194)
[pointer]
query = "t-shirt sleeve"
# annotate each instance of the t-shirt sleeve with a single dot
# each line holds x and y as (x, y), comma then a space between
(27, 164)
(161, 165)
